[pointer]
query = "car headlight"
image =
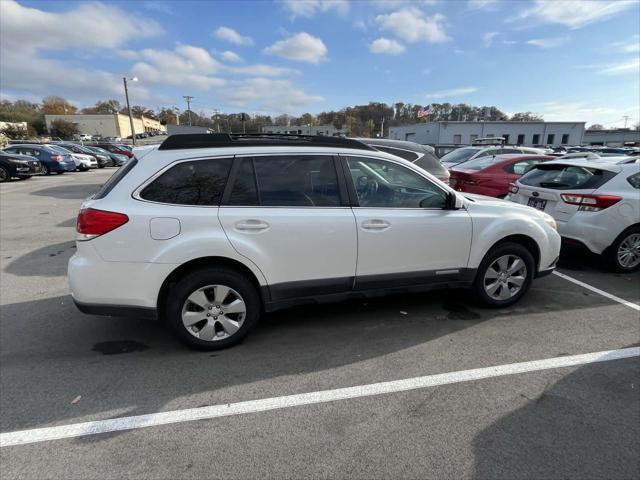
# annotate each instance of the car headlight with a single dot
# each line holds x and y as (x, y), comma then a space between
(549, 220)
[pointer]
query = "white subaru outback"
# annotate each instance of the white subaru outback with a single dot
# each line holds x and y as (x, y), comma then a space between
(208, 231)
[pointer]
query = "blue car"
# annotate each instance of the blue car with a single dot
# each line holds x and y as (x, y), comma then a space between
(52, 161)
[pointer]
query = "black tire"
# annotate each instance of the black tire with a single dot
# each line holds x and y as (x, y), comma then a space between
(24, 177)
(100, 166)
(191, 282)
(59, 173)
(46, 170)
(611, 253)
(5, 175)
(502, 249)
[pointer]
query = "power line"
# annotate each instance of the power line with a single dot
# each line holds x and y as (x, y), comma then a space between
(188, 99)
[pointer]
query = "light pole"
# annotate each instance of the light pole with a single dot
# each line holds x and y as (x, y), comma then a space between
(188, 99)
(176, 110)
(126, 94)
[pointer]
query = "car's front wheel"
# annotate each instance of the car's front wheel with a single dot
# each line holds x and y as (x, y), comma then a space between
(212, 308)
(505, 275)
(624, 254)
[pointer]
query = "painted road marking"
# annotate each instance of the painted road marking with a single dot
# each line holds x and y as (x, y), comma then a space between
(215, 411)
(598, 291)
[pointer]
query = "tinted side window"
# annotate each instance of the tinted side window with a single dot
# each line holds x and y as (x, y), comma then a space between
(198, 182)
(115, 179)
(244, 190)
(297, 181)
(634, 180)
(385, 184)
(510, 150)
(406, 154)
(521, 167)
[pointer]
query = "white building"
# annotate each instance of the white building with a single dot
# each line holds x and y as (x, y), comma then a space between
(516, 133)
(612, 138)
(326, 130)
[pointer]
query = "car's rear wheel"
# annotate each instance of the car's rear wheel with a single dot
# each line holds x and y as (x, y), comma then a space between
(624, 254)
(5, 176)
(212, 308)
(504, 275)
(46, 170)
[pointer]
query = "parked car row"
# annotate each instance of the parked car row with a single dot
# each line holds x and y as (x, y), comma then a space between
(25, 160)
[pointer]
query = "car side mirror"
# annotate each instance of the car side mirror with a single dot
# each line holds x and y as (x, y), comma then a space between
(453, 201)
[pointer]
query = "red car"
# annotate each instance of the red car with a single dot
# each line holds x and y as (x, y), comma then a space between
(492, 175)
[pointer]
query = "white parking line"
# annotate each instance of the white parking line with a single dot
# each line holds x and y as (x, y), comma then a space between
(215, 411)
(598, 291)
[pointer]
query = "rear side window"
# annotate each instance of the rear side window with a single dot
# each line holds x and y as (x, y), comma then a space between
(305, 181)
(198, 182)
(566, 177)
(634, 180)
(115, 179)
(244, 190)
(406, 154)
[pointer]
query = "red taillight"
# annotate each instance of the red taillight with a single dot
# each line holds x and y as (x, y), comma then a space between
(92, 222)
(56, 158)
(513, 188)
(590, 203)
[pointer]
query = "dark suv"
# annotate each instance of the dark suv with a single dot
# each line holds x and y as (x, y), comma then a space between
(420, 155)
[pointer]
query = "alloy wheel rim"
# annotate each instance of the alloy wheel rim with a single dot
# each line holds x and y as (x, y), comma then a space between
(505, 277)
(213, 313)
(629, 251)
(3, 175)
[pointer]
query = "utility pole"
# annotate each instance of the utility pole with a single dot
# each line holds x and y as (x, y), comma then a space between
(626, 118)
(188, 99)
(243, 118)
(126, 94)
(382, 128)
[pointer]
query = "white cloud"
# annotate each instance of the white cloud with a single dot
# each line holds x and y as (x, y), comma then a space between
(454, 92)
(574, 13)
(628, 66)
(549, 42)
(262, 70)
(309, 8)
(582, 112)
(412, 25)
(386, 46)
(632, 48)
(267, 94)
(487, 38)
(229, 56)
(186, 65)
(230, 35)
(301, 47)
(90, 25)
(479, 4)
(96, 26)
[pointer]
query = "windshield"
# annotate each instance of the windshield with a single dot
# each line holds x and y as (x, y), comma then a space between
(481, 163)
(566, 177)
(460, 155)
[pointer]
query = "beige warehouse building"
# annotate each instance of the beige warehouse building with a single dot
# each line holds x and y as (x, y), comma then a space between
(109, 125)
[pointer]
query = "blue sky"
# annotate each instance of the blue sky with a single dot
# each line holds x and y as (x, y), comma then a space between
(565, 60)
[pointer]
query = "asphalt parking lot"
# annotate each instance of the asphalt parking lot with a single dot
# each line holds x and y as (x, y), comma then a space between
(59, 367)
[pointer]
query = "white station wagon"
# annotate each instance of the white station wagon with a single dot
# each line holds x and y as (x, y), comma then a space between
(208, 231)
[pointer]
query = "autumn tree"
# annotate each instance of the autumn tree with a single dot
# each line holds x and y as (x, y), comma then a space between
(525, 117)
(54, 105)
(107, 107)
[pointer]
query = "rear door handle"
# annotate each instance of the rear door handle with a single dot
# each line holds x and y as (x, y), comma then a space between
(251, 226)
(375, 225)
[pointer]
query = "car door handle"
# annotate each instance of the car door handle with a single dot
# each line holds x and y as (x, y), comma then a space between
(375, 225)
(252, 225)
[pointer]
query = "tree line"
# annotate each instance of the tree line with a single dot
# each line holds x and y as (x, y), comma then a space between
(358, 120)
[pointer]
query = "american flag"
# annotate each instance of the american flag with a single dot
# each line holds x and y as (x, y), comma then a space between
(424, 112)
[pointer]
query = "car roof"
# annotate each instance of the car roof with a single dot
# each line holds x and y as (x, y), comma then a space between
(29, 145)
